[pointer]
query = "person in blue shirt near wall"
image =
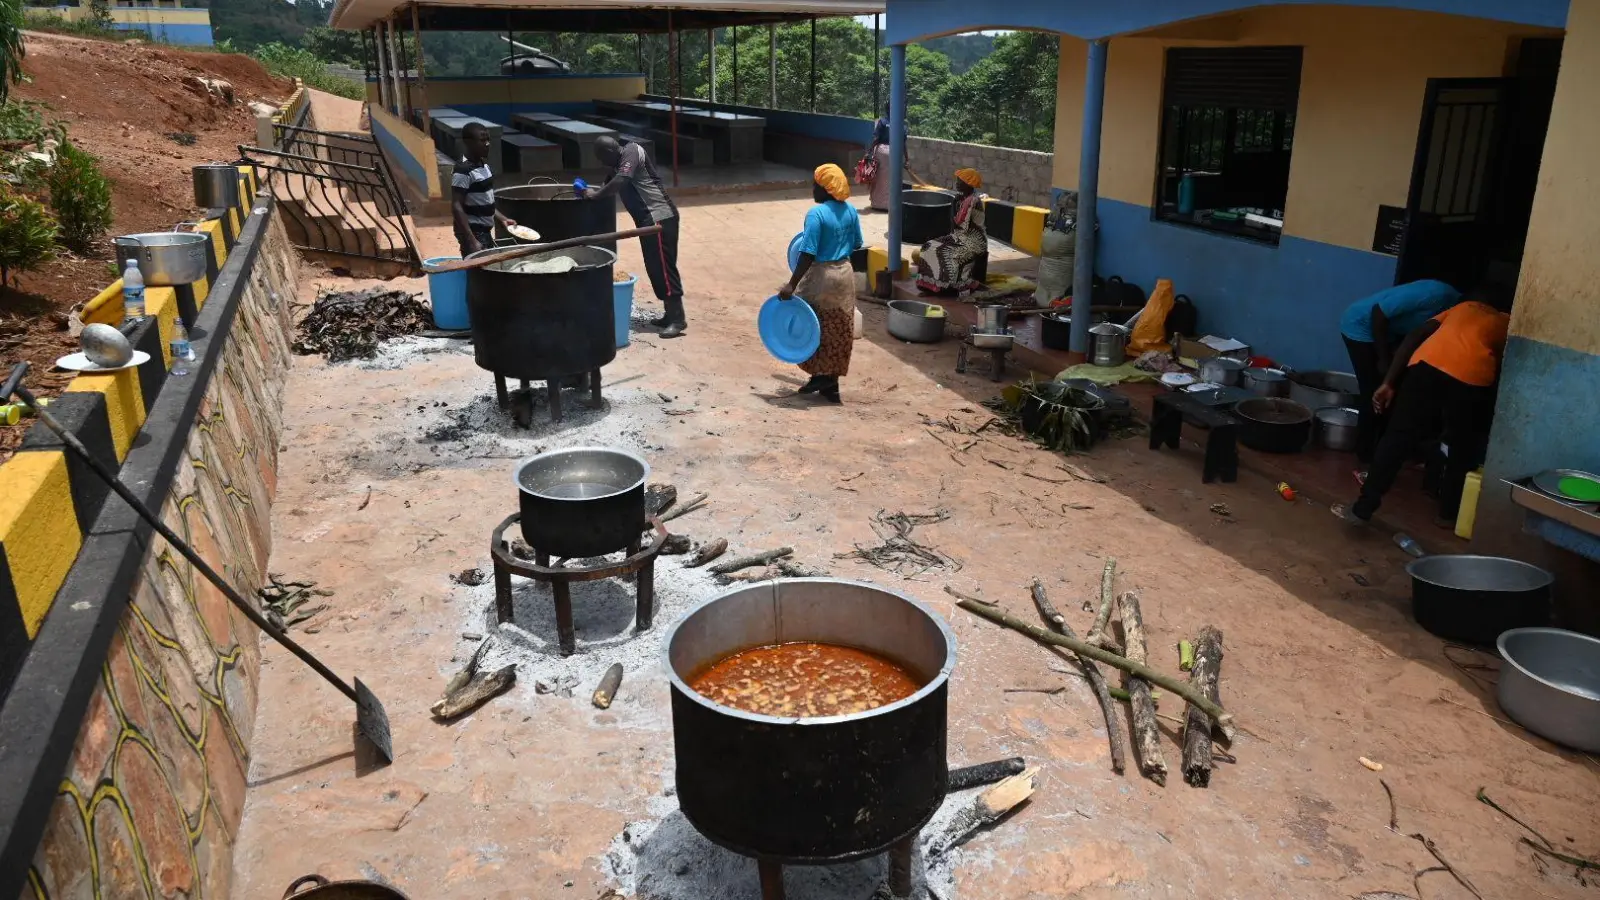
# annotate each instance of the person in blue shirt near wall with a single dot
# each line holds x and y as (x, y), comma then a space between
(825, 279)
(1372, 328)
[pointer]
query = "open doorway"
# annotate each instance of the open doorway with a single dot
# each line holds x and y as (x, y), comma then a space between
(1477, 165)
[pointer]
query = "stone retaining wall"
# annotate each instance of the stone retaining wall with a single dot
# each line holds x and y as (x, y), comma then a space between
(1017, 176)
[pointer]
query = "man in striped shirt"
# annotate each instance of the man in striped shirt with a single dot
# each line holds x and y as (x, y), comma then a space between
(472, 187)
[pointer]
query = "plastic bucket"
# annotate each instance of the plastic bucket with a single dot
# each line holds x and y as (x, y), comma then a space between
(622, 300)
(448, 293)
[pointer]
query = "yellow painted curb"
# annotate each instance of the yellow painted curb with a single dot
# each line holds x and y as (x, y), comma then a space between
(1027, 229)
(39, 530)
(124, 405)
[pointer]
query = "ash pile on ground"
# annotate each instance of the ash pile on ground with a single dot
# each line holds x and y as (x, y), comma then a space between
(398, 353)
(603, 615)
(663, 858)
(480, 430)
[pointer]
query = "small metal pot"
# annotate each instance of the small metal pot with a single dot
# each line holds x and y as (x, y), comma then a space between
(166, 258)
(581, 502)
(216, 186)
(908, 321)
(1055, 331)
(1550, 684)
(1221, 370)
(1108, 344)
(992, 319)
(1336, 427)
(1475, 599)
(1264, 382)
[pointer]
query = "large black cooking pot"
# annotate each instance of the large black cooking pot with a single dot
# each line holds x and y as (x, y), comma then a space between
(582, 501)
(925, 215)
(1475, 599)
(544, 326)
(1055, 331)
(557, 212)
(1273, 425)
(810, 790)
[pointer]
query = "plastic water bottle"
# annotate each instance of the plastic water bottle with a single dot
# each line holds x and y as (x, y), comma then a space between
(1409, 544)
(182, 353)
(132, 292)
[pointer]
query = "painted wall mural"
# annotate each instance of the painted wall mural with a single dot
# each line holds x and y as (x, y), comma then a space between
(151, 801)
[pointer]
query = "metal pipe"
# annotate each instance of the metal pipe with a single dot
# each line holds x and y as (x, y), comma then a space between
(638, 50)
(877, 64)
(897, 150)
(382, 63)
(711, 64)
(405, 72)
(813, 64)
(422, 72)
(733, 32)
(1094, 102)
(675, 67)
(772, 62)
(394, 69)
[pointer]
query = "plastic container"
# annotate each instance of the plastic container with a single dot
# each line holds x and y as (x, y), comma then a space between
(132, 292)
(447, 291)
(622, 300)
(1468, 514)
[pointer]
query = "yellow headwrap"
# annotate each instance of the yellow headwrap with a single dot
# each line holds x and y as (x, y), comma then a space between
(970, 178)
(832, 180)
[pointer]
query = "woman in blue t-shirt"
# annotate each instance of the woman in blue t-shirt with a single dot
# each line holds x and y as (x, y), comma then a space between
(1372, 328)
(825, 280)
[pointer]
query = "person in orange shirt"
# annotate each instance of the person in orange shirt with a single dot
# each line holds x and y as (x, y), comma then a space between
(1450, 364)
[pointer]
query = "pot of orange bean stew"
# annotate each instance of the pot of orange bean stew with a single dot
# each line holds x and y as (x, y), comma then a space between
(809, 718)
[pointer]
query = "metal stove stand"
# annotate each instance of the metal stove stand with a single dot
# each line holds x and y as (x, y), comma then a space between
(900, 883)
(640, 563)
(520, 402)
(997, 358)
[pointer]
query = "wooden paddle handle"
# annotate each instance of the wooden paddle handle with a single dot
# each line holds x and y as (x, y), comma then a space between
(489, 259)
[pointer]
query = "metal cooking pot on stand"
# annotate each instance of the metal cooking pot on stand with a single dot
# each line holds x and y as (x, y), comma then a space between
(323, 889)
(925, 215)
(1264, 382)
(556, 211)
(992, 318)
(581, 502)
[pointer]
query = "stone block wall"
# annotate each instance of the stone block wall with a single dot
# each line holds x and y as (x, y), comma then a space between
(1017, 176)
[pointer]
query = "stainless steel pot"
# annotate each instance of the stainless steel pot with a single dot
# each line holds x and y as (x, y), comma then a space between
(1264, 382)
(582, 501)
(1221, 370)
(908, 321)
(166, 258)
(1108, 344)
(1550, 684)
(216, 186)
(1319, 390)
(323, 889)
(1336, 427)
(992, 319)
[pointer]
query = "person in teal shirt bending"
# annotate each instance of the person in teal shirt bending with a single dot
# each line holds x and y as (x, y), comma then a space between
(824, 279)
(1372, 328)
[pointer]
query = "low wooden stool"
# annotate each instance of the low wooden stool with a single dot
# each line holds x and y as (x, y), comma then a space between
(1167, 413)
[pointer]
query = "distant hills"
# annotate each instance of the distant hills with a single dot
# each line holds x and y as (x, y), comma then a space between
(252, 23)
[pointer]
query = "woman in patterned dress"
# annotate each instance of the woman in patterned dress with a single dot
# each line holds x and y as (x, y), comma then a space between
(825, 280)
(946, 265)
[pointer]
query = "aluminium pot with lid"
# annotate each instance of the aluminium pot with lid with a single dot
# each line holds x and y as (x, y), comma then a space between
(1108, 344)
(166, 258)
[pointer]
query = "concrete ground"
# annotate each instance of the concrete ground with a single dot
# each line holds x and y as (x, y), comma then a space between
(393, 473)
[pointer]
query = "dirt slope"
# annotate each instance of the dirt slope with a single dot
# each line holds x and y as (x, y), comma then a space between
(123, 102)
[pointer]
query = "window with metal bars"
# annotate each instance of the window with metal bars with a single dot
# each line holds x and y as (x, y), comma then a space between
(1227, 132)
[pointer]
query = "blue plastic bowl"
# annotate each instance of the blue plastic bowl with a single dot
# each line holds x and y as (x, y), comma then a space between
(622, 300)
(794, 252)
(789, 329)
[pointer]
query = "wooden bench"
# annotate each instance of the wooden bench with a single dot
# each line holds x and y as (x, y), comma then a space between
(1167, 414)
(526, 153)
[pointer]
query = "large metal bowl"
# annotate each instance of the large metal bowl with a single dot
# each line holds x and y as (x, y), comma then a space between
(812, 790)
(1550, 684)
(166, 258)
(908, 321)
(1475, 599)
(1319, 390)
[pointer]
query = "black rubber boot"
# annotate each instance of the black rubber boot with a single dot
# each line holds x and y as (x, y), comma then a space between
(676, 324)
(815, 384)
(830, 389)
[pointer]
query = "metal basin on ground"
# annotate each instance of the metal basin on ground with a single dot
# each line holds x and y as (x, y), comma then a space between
(557, 212)
(543, 326)
(1273, 425)
(1475, 599)
(166, 258)
(581, 502)
(1550, 684)
(909, 321)
(810, 790)
(1319, 390)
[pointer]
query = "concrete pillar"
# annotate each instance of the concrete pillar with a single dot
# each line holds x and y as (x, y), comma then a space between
(1094, 101)
(897, 150)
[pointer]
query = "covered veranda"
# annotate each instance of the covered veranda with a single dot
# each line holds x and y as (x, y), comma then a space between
(544, 121)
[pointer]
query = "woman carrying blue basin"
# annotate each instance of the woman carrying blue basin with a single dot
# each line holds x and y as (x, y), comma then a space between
(824, 279)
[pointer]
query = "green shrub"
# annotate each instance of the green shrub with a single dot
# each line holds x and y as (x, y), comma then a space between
(80, 196)
(27, 234)
(23, 122)
(100, 14)
(292, 62)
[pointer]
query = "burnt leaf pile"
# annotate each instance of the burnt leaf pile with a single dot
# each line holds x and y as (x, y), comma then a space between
(346, 325)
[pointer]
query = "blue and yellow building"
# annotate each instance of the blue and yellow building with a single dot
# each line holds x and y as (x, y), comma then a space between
(162, 20)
